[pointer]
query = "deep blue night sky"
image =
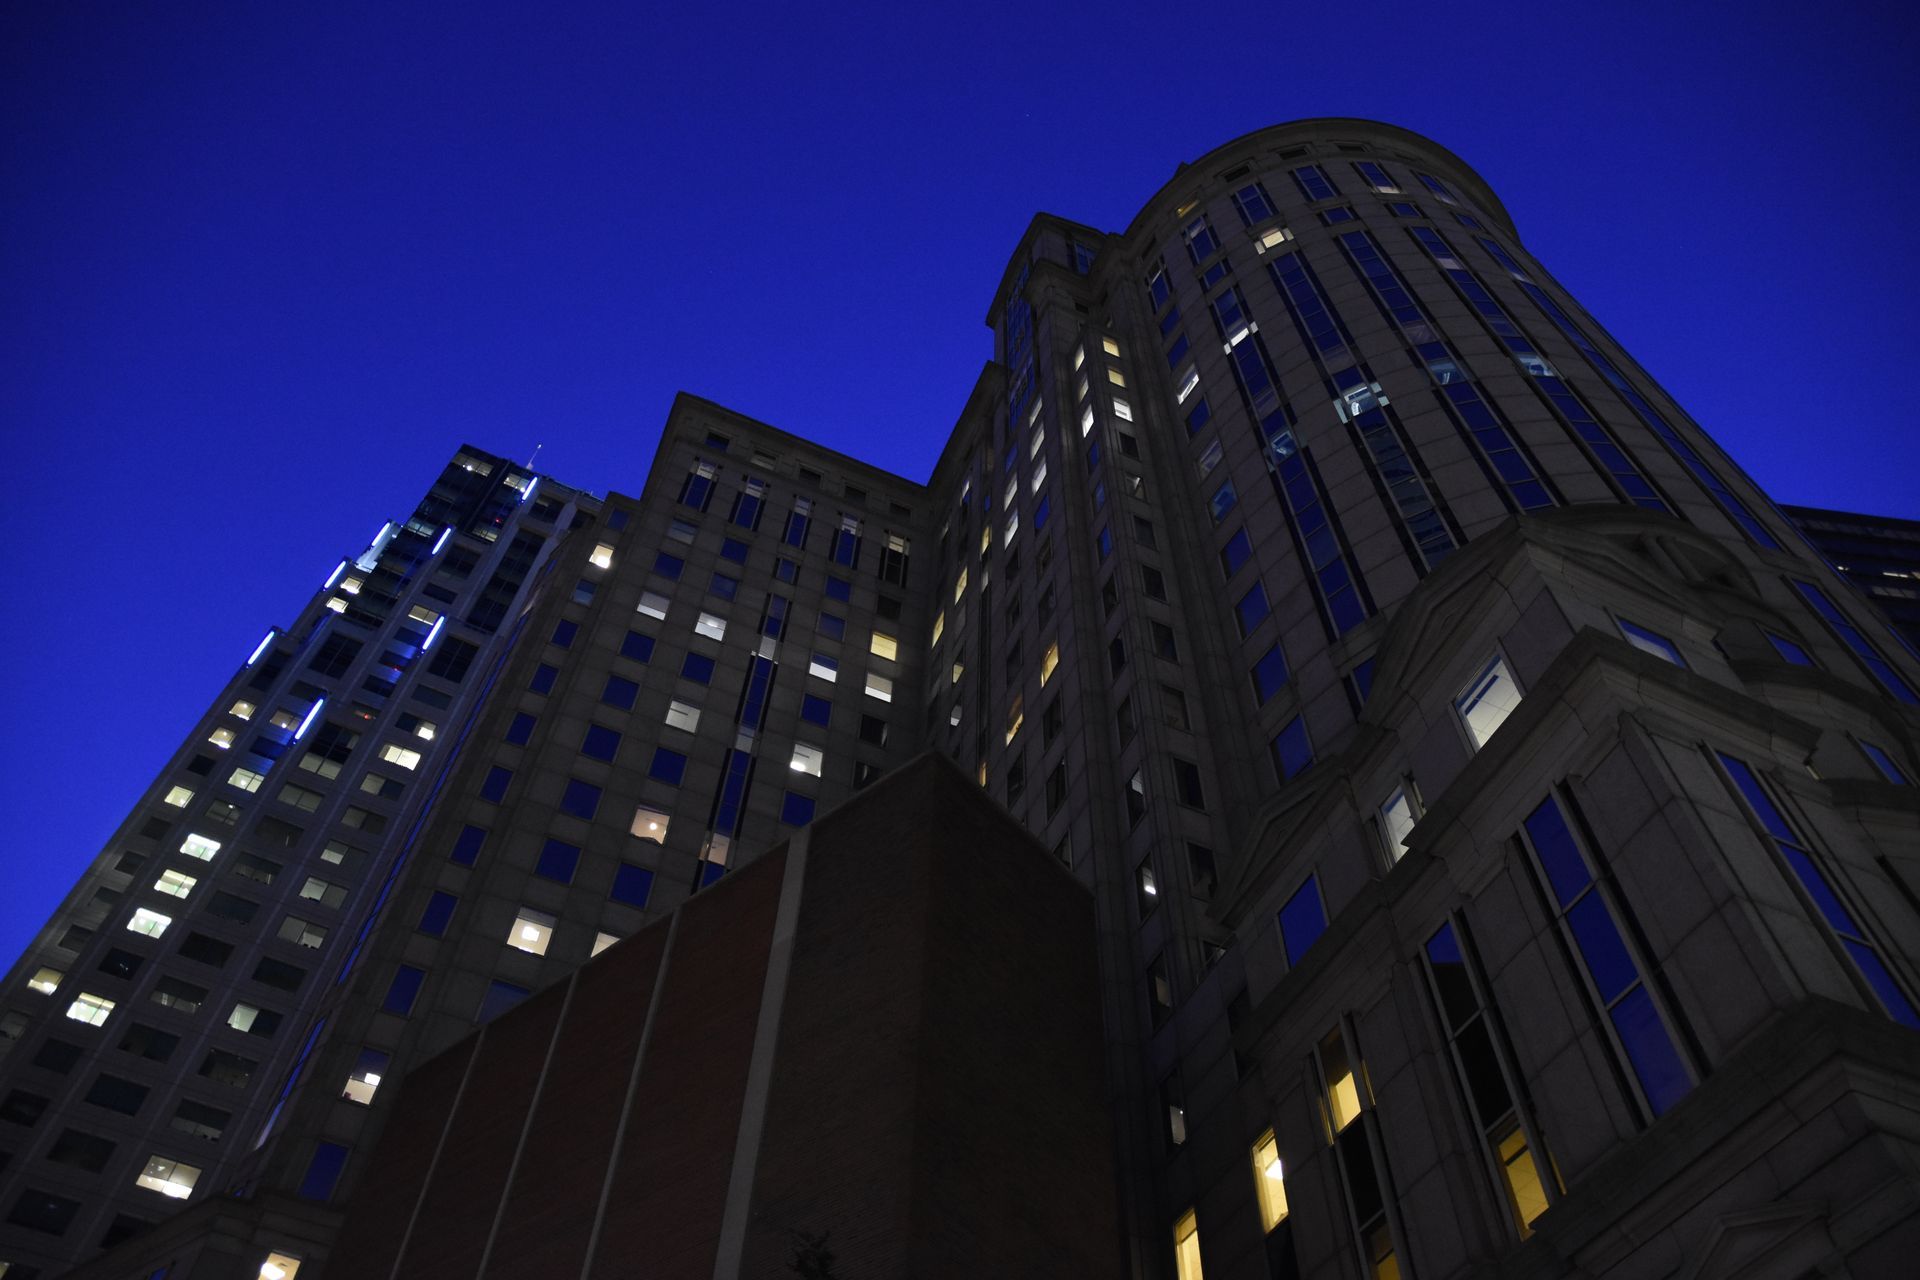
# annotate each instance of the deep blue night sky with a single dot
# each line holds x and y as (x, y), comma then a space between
(263, 267)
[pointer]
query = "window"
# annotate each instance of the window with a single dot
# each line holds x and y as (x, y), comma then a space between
(179, 995)
(638, 647)
(806, 759)
(151, 923)
(1884, 762)
(437, 914)
(1186, 1247)
(882, 645)
(174, 883)
(253, 1020)
(1292, 749)
(323, 1171)
(652, 604)
(796, 810)
(532, 931)
(497, 780)
(1252, 609)
(668, 766)
(1855, 640)
(815, 709)
(564, 631)
(649, 824)
(1146, 889)
(1269, 673)
(1136, 795)
(600, 743)
(466, 846)
(1313, 182)
(1397, 817)
(178, 797)
(300, 932)
(521, 729)
(712, 626)
(364, 1079)
(1302, 920)
(1790, 651)
(620, 692)
(557, 861)
(168, 1177)
(697, 668)
(1186, 784)
(1237, 551)
(879, 687)
(683, 715)
(1269, 1181)
(1487, 701)
(198, 846)
(89, 1008)
(632, 885)
(402, 990)
(1650, 642)
(823, 667)
(603, 940)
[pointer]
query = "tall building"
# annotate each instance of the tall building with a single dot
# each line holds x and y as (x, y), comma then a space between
(1501, 825)
(1879, 555)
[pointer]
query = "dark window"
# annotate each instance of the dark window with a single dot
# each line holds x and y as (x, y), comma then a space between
(637, 647)
(1269, 673)
(200, 947)
(815, 709)
(1252, 609)
(228, 907)
(734, 549)
(43, 1211)
(200, 1120)
(116, 1094)
(564, 632)
(323, 1171)
(1292, 750)
(543, 677)
(119, 964)
(601, 743)
(521, 729)
(451, 663)
(500, 997)
(697, 668)
(23, 1108)
(796, 809)
(495, 787)
(581, 799)
(668, 566)
(466, 846)
(1302, 920)
(1056, 788)
(1163, 642)
(80, 1150)
(226, 1068)
(725, 586)
(621, 692)
(839, 589)
(1186, 778)
(1136, 799)
(557, 861)
(402, 991)
(668, 766)
(57, 1056)
(1236, 552)
(178, 994)
(279, 975)
(632, 885)
(438, 912)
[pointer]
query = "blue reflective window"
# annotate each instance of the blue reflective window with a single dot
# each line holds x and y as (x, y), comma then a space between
(1885, 763)
(1292, 749)
(1650, 642)
(466, 847)
(786, 570)
(557, 861)
(521, 729)
(632, 885)
(637, 647)
(733, 549)
(709, 872)
(1337, 214)
(1302, 920)
(564, 632)
(796, 810)
(1360, 680)
(620, 691)
(724, 585)
(500, 997)
(1791, 652)
(323, 1171)
(1042, 513)
(697, 668)
(1253, 204)
(839, 588)
(1199, 416)
(1656, 1063)
(833, 626)
(402, 990)
(1270, 673)
(668, 766)
(496, 784)
(1178, 351)
(543, 678)
(1104, 541)
(1157, 287)
(1560, 858)
(1313, 182)
(438, 912)
(1224, 500)
(601, 742)
(815, 709)
(1856, 640)
(1252, 609)
(1236, 552)
(668, 566)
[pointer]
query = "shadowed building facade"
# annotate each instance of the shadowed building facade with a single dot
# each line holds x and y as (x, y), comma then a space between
(1500, 824)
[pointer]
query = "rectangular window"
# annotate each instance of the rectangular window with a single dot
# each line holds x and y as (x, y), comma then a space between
(1313, 182)
(151, 923)
(806, 759)
(175, 883)
(1302, 920)
(532, 931)
(198, 846)
(1397, 816)
(1348, 1101)
(1863, 649)
(170, 1178)
(1186, 1247)
(90, 1009)
(1269, 1181)
(364, 1079)
(1487, 701)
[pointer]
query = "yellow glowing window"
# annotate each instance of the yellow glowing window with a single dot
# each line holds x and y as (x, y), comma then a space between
(279, 1266)
(45, 981)
(1186, 1247)
(959, 669)
(242, 710)
(532, 931)
(352, 585)
(175, 884)
(960, 583)
(650, 824)
(420, 613)
(1343, 1086)
(1268, 239)
(883, 645)
(90, 1009)
(1116, 377)
(1048, 661)
(168, 1177)
(939, 626)
(336, 604)
(1016, 716)
(1079, 356)
(1269, 1180)
(221, 738)
(1111, 347)
(602, 557)
(1525, 1195)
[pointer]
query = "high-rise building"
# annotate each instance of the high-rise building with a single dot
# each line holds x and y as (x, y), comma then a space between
(1880, 555)
(1501, 824)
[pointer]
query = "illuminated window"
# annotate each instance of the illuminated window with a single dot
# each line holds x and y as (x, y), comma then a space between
(602, 557)
(178, 797)
(939, 627)
(879, 687)
(1016, 716)
(1123, 411)
(242, 710)
(1108, 345)
(1187, 385)
(601, 941)
(1048, 661)
(1079, 356)
(653, 604)
(401, 756)
(1344, 1087)
(882, 645)
(151, 923)
(960, 583)
(1086, 419)
(806, 759)
(90, 1009)
(1397, 817)
(45, 981)
(1269, 1179)
(532, 931)
(959, 669)
(1186, 1247)
(1146, 888)
(683, 715)
(198, 846)
(649, 824)
(284, 719)
(1210, 458)
(1278, 235)
(246, 1017)
(168, 1177)
(246, 779)
(711, 626)
(1116, 377)
(1486, 703)
(279, 1266)
(175, 884)
(327, 895)
(221, 738)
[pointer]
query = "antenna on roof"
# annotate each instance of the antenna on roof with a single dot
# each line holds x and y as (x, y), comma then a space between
(536, 453)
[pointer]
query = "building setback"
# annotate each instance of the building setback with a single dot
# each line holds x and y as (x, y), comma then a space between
(1500, 825)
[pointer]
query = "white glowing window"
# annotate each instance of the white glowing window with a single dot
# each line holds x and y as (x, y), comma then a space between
(1048, 661)
(284, 719)
(168, 1177)
(882, 645)
(1086, 420)
(337, 604)
(649, 824)
(1270, 238)
(1006, 537)
(242, 710)
(879, 687)
(824, 667)
(1486, 703)
(327, 895)
(243, 1017)
(246, 779)
(653, 604)
(151, 923)
(532, 931)
(198, 846)
(683, 715)
(221, 738)
(959, 669)
(279, 1266)
(1269, 1178)
(1396, 820)
(1033, 410)
(939, 626)
(1111, 347)
(953, 718)
(712, 626)
(1016, 716)
(45, 981)
(335, 852)
(602, 557)
(1079, 356)
(1039, 476)
(806, 759)
(1122, 410)
(603, 940)
(401, 756)
(1038, 440)
(420, 613)
(422, 729)
(175, 884)
(1187, 384)
(90, 1009)
(178, 797)
(682, 530)
(1012, 492)
(352, 585)
(1080, 389)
